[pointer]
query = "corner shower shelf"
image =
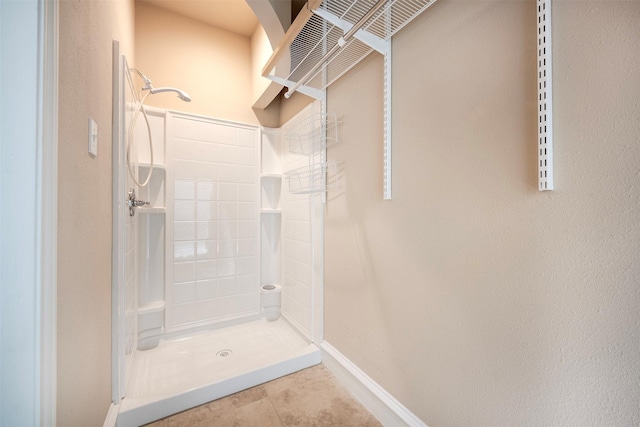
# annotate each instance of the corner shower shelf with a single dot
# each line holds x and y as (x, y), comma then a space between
(271, 211)
(142, 210)
(152, 307)
(313, 133)
(156, 166)
(315, 178)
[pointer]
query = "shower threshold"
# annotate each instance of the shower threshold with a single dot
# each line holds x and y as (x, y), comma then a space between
(189, 371)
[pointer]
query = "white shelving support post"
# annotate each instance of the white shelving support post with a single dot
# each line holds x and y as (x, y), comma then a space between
(387, 124)
(545, 111)
(323, 153)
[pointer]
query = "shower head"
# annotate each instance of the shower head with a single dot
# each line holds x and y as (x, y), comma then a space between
(181, 94)
(148, 86)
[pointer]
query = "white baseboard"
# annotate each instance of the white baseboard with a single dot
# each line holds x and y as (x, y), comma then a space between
(112, 416)
(377, 400)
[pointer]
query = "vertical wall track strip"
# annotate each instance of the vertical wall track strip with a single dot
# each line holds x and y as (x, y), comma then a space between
(545, 113)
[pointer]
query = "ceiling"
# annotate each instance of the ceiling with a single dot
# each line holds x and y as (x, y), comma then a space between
(231, 15)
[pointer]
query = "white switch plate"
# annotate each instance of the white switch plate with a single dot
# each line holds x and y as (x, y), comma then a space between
(93, 138)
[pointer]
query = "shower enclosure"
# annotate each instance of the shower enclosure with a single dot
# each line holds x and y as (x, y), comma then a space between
(190, 267)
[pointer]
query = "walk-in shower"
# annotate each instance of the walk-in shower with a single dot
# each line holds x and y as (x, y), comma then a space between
(201, 272)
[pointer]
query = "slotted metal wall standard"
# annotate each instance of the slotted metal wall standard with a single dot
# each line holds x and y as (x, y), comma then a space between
(330, 37)
(545, 129)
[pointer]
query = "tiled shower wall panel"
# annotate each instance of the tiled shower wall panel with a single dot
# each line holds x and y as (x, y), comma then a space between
(214, 238)
(297, 271)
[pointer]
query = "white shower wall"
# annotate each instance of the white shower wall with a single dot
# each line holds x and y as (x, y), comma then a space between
(297, 256)
(131, 292)
(221, 223)
(213, 253)
(151, 222)
(301, 214)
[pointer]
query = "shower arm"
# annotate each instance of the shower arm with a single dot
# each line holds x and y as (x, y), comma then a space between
(342, 41)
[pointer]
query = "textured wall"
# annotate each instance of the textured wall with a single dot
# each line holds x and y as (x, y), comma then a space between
(87, 30)
(212, 65)
(471, 297)
(260, 53)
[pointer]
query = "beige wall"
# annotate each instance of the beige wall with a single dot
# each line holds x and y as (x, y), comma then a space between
(87, 29)
(212, 65)
(471, 297)
(264, 91)
(260, 53)
(292, 106)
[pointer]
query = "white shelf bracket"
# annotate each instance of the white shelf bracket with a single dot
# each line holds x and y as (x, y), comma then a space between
(318, 94)
(545, 111)
(374, 42)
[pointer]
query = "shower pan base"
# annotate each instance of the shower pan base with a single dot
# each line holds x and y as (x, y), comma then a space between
(189, 371)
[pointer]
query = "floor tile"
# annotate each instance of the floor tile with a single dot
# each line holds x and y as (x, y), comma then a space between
(187, 418)
(313, 379)
(311, 397)
(259, 413)
(236, 400)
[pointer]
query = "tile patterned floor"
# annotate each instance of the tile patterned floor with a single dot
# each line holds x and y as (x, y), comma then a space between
(311, 397)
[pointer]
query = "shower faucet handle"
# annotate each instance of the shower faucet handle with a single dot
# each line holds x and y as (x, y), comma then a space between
(133, 203)
(137, 203)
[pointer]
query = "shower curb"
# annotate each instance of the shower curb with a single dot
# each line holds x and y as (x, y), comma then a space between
(112, 416)
(134, 412)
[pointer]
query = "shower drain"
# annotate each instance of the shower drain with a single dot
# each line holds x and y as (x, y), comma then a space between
(224, 353)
